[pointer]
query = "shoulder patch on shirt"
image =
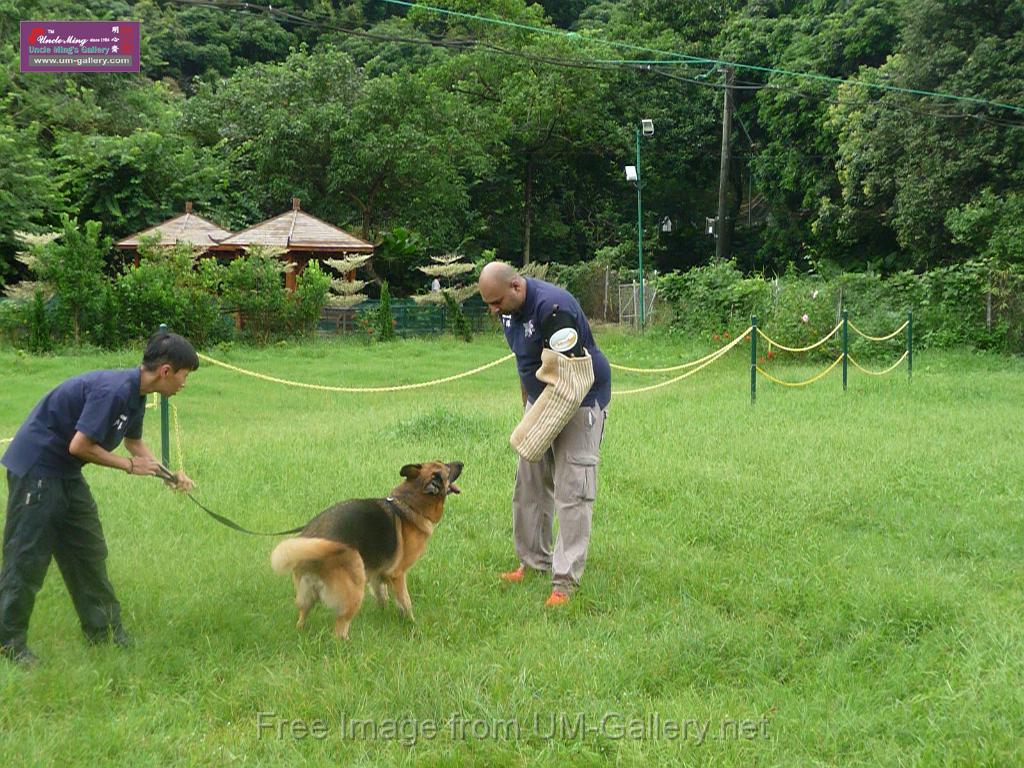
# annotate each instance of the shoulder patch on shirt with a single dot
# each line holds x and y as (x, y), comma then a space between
(564, 339)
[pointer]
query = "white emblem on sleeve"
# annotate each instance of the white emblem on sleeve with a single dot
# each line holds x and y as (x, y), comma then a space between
(564, 339)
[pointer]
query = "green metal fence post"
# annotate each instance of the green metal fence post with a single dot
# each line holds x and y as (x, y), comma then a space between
(910, 343)
(640, 230)
(165, 422)
(753, 359)
(846, 344)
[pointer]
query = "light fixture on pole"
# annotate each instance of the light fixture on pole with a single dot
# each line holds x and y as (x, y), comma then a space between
(633, 174)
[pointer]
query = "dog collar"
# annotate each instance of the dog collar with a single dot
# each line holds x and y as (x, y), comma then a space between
(407, 513)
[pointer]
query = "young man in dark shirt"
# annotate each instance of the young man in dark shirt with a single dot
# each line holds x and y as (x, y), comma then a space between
(50, 509)
(535, 316)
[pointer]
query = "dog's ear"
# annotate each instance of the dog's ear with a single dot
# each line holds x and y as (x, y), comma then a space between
(411, 471)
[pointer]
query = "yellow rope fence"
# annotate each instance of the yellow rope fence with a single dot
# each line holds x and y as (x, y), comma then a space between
(708, 360)
(697, 365)
(895, 333)
(837, 361)
(878, 373)
(716, 354)
(800, 383)
(326, 388)
(815, 345)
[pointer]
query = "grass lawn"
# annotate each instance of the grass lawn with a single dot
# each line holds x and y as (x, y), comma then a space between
(825, 578)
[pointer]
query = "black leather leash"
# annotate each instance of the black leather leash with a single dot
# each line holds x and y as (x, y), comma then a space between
(165, 474)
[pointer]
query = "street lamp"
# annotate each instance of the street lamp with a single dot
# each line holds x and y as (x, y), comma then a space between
(633, 174)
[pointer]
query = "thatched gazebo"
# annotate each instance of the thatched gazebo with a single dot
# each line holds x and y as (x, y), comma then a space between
(300, 236)
(187, 228)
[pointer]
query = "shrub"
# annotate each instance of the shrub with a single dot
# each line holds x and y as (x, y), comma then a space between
(28, 324)
(977, 302)
(306, 303)
(70, 264)
(253, 286)
(593, 283)
(385, 320)
(457, 319)
(707, 300)
(166, 287)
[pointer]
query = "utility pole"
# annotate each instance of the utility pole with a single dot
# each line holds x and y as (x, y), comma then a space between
(722, 223)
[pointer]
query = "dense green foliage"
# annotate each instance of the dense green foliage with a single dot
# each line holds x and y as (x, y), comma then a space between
(385, 320)
(165, 287)
(460, 324)
(972, 303)
(494, 137)
(197, 297)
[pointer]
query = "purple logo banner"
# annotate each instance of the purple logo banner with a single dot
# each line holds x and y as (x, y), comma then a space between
(80, 46)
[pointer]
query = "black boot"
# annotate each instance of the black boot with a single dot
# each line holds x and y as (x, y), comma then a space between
(103, 635)
(20, 655)
(121, 638)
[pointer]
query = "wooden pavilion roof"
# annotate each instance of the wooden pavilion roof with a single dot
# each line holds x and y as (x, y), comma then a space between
(187, 228)
(297, 231)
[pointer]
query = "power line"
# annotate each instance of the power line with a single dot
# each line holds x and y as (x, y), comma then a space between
(647, 65)
(676, 58)
(747, 85)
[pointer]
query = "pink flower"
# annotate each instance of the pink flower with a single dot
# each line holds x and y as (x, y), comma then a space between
(805, 318)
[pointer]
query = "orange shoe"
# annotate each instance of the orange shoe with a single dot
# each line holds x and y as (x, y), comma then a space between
(514, 577)
(556, 599)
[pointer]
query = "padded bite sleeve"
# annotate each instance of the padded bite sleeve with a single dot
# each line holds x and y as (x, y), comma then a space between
(568, 380)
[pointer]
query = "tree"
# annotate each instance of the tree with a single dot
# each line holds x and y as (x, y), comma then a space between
(395, 257)
(406, 157)
(452, 293)
(346, 293)
(274, 125)
(905, 162)
(29, 194)
(70, 264)
(991, 226)
(385, 320)
(792, 161)
(367, 155)
(172, 285)
(547, 124)
(450, 268)
(130, 182)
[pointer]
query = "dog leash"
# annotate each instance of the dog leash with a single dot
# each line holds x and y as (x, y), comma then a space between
(165, 474)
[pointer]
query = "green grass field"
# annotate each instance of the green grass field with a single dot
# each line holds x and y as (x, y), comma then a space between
(825, 578)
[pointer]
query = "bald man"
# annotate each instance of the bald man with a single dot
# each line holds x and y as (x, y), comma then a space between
(536, 315)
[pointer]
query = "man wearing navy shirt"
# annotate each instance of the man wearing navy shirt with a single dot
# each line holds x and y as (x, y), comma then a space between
(50, 509)
(536, 315)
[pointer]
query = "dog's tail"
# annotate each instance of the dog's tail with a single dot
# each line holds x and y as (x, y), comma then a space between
(291, 553)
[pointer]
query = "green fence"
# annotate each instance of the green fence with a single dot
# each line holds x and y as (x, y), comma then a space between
(411, 319)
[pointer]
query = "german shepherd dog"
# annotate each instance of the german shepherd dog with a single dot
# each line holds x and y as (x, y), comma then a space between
(375, 540)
